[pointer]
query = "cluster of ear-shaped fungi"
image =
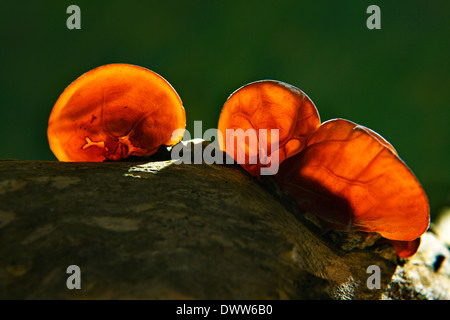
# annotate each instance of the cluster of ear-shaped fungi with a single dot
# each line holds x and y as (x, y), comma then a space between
(347, 174)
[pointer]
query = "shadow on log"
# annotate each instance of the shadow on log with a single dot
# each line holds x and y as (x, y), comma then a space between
(167, 231)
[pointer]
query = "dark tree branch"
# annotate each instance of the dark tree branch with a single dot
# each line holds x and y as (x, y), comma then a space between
(167, 231)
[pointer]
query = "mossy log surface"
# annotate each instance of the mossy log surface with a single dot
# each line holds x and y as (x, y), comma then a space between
(167, 231)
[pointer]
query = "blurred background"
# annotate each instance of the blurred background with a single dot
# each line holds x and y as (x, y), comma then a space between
(394, 80)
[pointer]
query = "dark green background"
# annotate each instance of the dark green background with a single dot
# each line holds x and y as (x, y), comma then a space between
(394, 80)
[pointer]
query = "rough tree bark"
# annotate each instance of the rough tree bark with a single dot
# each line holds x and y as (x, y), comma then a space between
(167, 231)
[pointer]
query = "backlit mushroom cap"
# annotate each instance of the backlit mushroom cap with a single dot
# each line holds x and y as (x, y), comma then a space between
(354, 180)
(267, 104)
(405, 249)
(113, 112)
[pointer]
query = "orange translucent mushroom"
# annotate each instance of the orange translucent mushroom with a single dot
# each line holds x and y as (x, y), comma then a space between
(113, 112)
(405, 249)
(267, 104)
(354, 180)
